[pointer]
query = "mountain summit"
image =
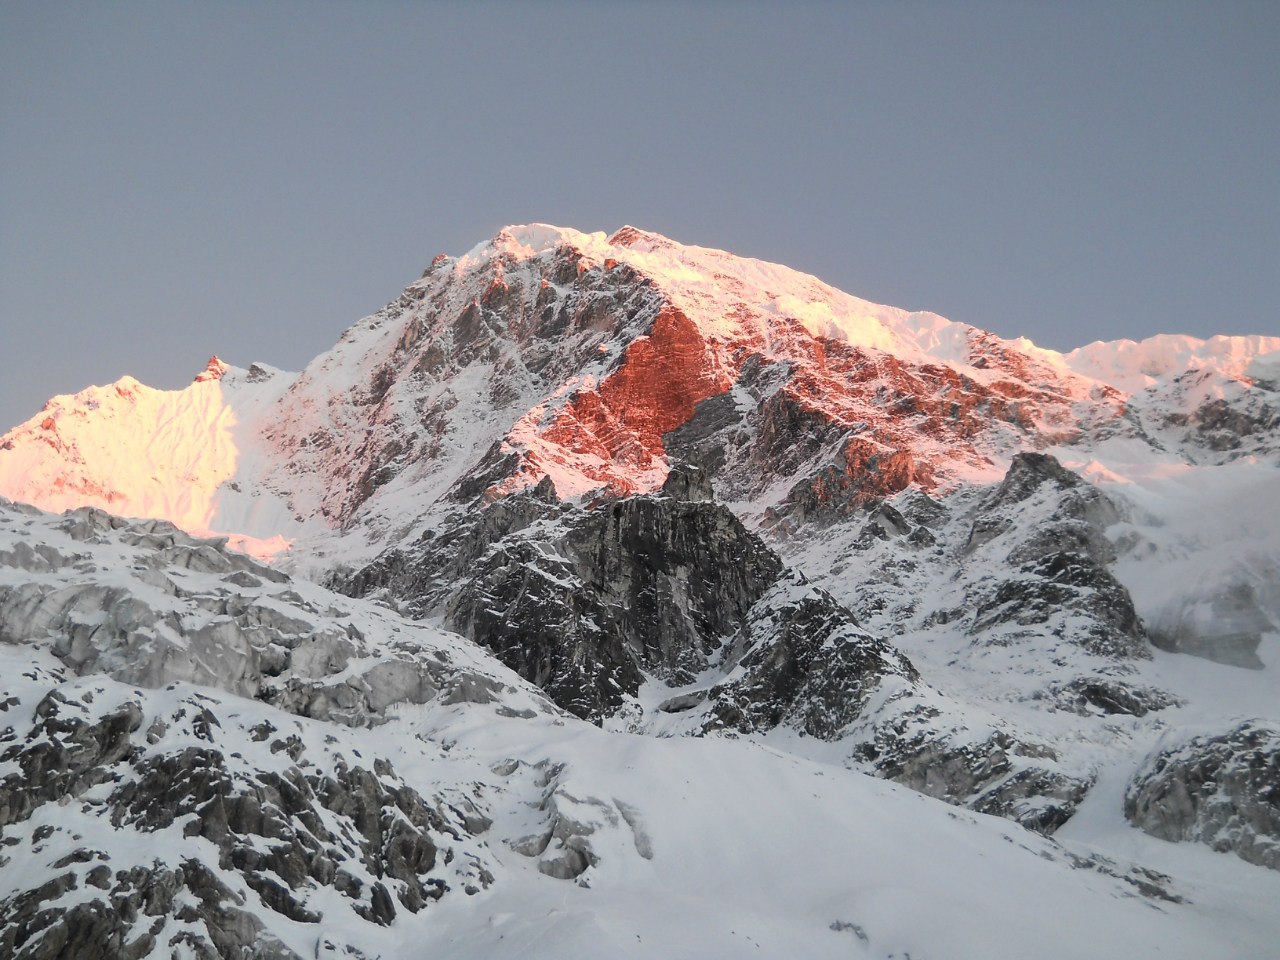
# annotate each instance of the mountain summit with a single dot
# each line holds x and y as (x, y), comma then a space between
(594, 572)
(598, 361)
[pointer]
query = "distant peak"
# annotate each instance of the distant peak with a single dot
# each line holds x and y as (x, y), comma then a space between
(527, 240)
(630, 236)
(530, 239)
(215, 369)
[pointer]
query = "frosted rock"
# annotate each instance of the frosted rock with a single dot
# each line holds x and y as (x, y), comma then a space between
(292, 824)
(1220, 789)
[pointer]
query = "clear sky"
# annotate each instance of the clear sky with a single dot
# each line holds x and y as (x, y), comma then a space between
(180, 179)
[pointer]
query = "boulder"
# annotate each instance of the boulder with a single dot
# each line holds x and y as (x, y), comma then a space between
(1220, 789)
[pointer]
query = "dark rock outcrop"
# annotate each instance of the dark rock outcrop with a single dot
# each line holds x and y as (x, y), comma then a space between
(989, 771)
(247, 825)
(1110, 697)
(1048, 525)
(64, 754)
(801, 660)
(1228, 421)
(584, 608)
(588, 602)
(1222, 790)
(178, 909)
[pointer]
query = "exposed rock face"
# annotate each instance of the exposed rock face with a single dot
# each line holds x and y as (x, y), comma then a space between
(687, 482)
(1110, 697)
(214, 370)
(863, 471)
(298, 824)
(844, 426)
(801, 660)
(850, 422)
(133, 916)
(1222, 790)
(918, 744)
(681, 573)
(583, 602)
(552, 409)
(519, 327)
(1022, 570)
(68, 756)
(1060, 565)
(1215, 417)
(602, 361)
(1025, 564)
(588, 603)
(419, 579)
(653, 389)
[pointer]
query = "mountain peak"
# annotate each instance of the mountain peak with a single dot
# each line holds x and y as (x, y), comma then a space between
(634, 237)
(598, 360)
(679, 493)
(528, 240)
(215, 369)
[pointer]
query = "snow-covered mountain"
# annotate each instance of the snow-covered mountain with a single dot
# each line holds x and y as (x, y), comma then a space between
(581, 599)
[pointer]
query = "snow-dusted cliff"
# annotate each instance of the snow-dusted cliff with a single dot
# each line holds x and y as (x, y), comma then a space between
(597, 360)
(641, 552)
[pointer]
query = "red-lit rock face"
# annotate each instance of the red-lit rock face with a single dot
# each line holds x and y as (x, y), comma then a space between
(886, 423)
(582, 360)
(215, 370)
(842, 422)
(595, 363)
(656, 387)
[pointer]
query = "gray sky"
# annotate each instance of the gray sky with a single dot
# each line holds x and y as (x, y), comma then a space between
(251, 178)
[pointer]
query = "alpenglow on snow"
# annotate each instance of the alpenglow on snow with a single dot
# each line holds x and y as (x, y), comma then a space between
(606, 596)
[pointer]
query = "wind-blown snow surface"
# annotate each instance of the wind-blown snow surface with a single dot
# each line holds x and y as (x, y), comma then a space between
(759, 853)
(597, 361)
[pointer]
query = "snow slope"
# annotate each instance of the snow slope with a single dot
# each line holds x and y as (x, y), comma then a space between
(692, 848)
(189, 456)
(867, 444)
